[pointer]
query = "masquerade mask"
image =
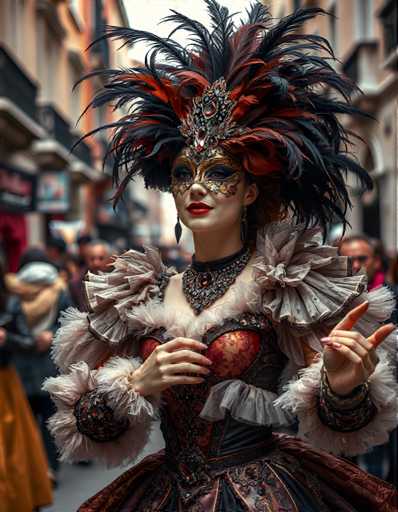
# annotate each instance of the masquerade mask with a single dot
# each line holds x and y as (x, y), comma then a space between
(218, 174)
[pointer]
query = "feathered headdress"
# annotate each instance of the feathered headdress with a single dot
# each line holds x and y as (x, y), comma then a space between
(261, 92)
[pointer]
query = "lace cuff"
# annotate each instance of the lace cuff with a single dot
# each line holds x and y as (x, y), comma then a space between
(302, 397)
(344, 413)
(99, 415)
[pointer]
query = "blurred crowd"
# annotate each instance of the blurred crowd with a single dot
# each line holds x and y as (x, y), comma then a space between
(49, 280)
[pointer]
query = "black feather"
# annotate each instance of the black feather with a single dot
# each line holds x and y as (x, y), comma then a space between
(299, 97)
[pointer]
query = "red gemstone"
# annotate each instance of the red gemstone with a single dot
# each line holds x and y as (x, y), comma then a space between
(210, 109)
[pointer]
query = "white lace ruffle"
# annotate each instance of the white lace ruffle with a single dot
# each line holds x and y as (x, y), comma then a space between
(74, 342)
(134, 280)
(306, 288)
(113, 380)
(302, 281)
(300, 398)
(245, 403)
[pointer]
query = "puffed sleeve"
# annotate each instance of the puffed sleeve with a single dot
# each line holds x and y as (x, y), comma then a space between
(99, 414)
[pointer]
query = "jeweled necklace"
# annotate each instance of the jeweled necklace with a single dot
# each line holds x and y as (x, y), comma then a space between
(205, 282)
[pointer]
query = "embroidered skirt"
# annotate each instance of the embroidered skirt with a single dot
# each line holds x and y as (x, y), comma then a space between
(280, 474)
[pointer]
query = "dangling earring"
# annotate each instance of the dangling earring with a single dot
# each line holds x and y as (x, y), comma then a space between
(178, 229)
(243, 225)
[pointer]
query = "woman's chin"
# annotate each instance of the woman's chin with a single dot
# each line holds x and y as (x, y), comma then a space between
(199, 224)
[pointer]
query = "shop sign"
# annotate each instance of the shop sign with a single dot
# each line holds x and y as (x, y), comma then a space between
(53, 192)
(17, 189)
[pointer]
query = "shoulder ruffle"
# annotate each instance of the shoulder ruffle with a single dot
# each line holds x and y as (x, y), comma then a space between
(136, 278)
(305, 287)
(302, 281)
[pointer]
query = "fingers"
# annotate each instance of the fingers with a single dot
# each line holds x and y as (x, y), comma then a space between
(186, 356)
(352, 317)
(352, 344)
(346, 351)
(353, 335)
(381, 334)
(183, 368)
(182, 379)
(180, 343)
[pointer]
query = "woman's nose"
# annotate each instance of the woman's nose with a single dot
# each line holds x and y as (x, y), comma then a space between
(197, 190)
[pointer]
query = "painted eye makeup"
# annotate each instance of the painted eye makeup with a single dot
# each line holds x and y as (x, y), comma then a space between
(182, 174)
(219, 172)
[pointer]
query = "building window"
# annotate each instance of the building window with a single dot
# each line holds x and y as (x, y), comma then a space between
(388, 17)
(14, 25)
(48, 48)
(74, 9)
(364, 18)
(75, 94)
(371, 202)
(333, 27)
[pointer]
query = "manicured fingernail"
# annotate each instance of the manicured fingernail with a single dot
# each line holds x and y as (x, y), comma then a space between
(336, 345)
(325, 340)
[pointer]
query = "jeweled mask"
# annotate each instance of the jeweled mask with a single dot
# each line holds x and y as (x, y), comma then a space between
(218, 173)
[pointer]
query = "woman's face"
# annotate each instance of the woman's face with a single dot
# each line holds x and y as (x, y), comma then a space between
(210, 196)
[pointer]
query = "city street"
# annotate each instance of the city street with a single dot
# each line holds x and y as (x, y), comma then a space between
(79, 482)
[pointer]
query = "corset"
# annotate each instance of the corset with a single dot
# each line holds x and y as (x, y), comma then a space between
(244, 348)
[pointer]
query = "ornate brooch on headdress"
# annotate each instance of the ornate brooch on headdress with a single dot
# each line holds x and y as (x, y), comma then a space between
(209, 121)
(255, 89)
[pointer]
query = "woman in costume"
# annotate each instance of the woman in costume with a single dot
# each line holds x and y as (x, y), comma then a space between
(267, 324)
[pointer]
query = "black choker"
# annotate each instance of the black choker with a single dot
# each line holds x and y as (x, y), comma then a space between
(210, 266)
(205, 282)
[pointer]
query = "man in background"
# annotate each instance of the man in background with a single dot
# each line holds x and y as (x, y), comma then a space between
(97, 259)
(362, 253)
(83, 242)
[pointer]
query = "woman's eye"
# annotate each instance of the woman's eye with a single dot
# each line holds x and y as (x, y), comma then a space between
(182, 174)
(219, 173)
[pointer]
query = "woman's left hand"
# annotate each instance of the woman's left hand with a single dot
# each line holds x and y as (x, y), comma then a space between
(349, 357)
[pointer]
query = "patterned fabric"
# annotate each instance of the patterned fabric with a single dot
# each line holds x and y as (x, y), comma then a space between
(286, 474)
(348, 413)
(95, 419)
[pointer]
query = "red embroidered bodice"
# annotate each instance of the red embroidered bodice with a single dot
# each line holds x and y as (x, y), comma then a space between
(244, 348)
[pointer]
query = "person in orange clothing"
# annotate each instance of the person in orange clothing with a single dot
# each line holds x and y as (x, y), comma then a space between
(25, 483)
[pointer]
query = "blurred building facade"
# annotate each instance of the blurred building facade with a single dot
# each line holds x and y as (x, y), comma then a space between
(363, 34)
(42, 55)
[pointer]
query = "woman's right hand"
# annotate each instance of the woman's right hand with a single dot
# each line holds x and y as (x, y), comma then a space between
(172, 363)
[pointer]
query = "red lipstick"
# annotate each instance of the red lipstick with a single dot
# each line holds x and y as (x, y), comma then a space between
(199, 209)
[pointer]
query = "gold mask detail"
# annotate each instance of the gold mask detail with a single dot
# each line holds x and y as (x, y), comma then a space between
(218, 174)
